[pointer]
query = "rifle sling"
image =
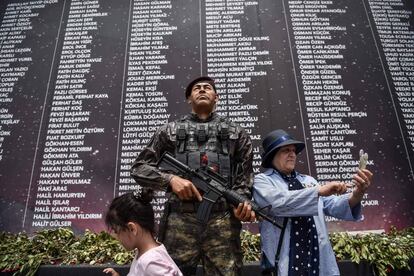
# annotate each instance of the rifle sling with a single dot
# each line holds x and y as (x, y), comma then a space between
(279, 245)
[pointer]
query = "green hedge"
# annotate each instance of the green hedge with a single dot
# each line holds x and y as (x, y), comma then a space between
(24, 254)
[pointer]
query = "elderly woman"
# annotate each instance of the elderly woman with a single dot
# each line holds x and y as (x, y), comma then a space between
(302, 246)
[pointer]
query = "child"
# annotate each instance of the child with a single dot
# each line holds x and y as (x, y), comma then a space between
(131, 218)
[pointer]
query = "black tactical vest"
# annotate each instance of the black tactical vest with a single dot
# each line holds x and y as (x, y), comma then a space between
(205, 144)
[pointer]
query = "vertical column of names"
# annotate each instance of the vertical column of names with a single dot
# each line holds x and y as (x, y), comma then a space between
(326, 99)
(63, 172)
(235, 61)
(145, 107)
(15, 59)
(397, 40)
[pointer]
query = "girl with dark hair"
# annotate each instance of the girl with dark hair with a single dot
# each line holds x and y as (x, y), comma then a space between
(131, 218)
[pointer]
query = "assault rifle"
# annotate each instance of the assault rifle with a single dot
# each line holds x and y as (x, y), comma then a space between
(212, 185)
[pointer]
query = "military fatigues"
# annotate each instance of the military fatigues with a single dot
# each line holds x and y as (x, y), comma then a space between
(223, 146)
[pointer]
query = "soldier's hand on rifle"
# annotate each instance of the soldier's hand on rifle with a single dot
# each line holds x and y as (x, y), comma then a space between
(184, 189)
(244, 212)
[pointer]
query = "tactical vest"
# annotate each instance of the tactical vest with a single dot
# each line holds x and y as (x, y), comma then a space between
(205, 144)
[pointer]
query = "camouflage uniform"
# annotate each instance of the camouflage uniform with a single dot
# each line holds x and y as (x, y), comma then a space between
(227, 148)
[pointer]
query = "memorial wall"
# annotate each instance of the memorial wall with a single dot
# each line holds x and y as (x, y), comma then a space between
(85, 84)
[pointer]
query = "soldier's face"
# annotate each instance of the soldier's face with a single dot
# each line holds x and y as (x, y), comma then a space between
(203, 94)
(285, 159)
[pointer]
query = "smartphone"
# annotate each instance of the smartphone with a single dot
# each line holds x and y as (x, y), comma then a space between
(363, 159)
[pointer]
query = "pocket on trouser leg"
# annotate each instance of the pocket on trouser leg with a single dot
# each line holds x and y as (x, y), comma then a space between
(182, 243)
(222, 249)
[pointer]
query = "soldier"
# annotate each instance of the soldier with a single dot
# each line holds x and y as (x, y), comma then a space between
(202, 138)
